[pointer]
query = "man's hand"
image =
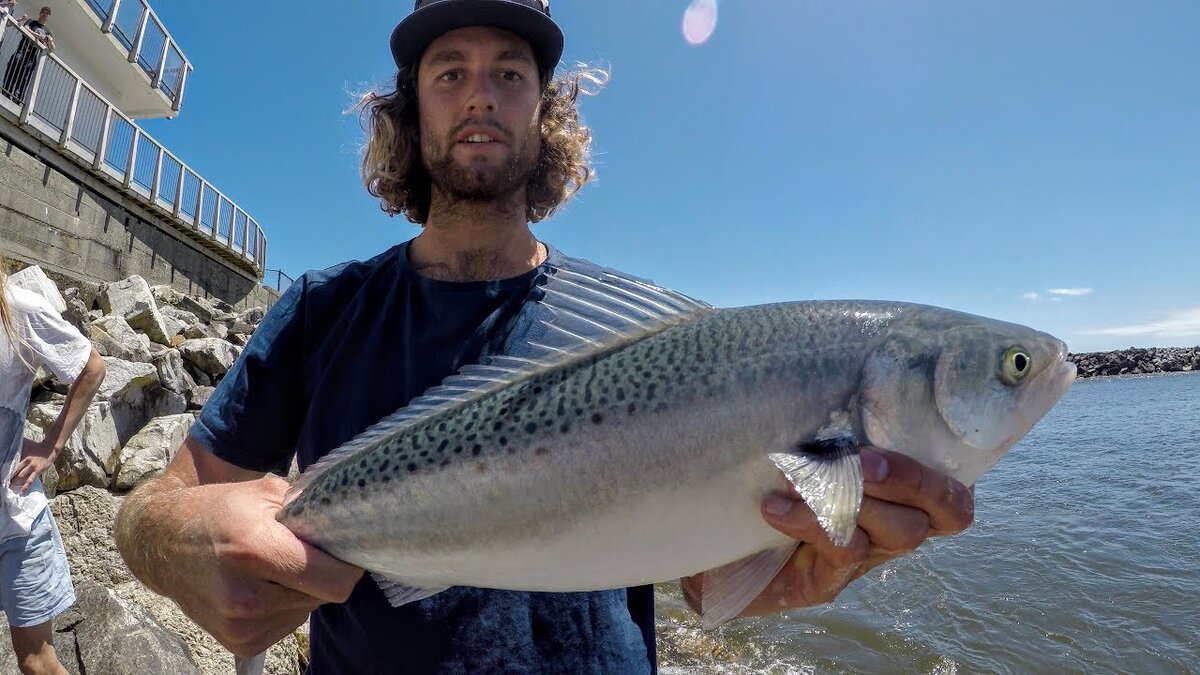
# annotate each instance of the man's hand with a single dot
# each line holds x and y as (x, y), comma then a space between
(904, 504)
(36, 457)
(250, 581)
(205, 535)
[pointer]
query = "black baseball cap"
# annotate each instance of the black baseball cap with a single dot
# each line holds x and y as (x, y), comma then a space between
(431, 18)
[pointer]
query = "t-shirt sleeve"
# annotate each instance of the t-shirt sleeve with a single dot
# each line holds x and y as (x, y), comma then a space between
(52, 342)
(252, 419)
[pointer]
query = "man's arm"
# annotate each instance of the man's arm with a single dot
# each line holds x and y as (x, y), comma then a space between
(904, 504)
(204, 533)
(36, 457)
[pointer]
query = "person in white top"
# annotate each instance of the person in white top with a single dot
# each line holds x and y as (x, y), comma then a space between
(35, 582)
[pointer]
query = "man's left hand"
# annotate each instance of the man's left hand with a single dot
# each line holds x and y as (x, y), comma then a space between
(904, 504)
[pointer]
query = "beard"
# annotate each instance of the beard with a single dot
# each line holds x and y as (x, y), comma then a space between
(479, 181)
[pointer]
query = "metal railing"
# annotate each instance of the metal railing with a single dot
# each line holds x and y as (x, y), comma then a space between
(49, 98)
(147, 43)
(277, 280)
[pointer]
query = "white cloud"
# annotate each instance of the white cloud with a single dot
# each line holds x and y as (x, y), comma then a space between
(1030, 296)
(1185, 323)
(1073, 292)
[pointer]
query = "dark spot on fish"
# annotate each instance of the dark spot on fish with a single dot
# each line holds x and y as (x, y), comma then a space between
(579, 412)
(504, 440)
(324, 501)
(362, 483)
(620, 394)
(476, 449)
(603, 401)
(650, 391)
(537, 389)
(443, 445)
(481, 467)
(383, 466)
(566, 427)
(345, 480)
(497, 426)
(632, 408)
(424, 453)
(471, 437)
(387, 478)
(548, 424)
(597, 418)
(445, 463)
(531, 427)
(412, 468)
(541, 452)
(502, 412)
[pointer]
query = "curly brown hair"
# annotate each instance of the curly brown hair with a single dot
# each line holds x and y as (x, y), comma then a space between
(393, 170)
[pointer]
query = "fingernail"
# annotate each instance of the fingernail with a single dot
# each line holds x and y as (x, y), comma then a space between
(778, 506)
(874, 466)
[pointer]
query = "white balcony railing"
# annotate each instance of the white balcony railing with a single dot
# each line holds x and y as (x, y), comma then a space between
(135, 25)
(50, 99)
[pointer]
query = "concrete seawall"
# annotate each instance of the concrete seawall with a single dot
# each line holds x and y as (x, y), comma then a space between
(83, 231)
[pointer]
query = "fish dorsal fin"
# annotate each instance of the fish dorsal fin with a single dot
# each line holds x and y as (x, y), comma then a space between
(577, 316)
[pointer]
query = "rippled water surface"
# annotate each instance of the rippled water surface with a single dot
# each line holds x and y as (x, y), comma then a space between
(1084, 558)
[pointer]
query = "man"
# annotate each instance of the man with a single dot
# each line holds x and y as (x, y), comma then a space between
(35, 581)
(20, 67)
(475, 143)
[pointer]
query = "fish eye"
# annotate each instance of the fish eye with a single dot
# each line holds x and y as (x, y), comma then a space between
(1016, 365)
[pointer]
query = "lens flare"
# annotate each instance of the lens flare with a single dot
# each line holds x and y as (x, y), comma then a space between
(699, 21)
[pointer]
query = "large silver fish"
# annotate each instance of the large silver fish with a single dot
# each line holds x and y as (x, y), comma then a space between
(637, 442)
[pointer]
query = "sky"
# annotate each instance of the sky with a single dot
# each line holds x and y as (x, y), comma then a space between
(1036, 161)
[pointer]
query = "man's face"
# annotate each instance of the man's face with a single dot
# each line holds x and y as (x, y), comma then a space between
(43, 16)
(478, 94)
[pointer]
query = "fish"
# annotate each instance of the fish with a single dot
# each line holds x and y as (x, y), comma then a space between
(632, 435)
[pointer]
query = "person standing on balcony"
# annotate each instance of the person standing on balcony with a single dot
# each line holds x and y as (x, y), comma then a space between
(35, 581)
(6, 8)
(21, 64)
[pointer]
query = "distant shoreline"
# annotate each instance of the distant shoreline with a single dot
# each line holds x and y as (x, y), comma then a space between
(1137, 361)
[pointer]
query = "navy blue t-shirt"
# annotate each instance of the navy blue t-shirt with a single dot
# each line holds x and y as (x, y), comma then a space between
(343, 348)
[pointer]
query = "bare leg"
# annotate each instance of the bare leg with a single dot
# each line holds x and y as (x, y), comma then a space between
(35, 650)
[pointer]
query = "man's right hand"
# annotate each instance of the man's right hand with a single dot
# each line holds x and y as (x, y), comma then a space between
(218, 551)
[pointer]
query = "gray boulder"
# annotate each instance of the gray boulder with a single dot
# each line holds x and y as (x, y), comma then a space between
(149, 452)
(132, 300)
(113, 336)
(211, 355)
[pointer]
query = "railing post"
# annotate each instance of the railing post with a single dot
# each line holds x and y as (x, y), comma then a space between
(157, 176)
(109, 20)
(105, 128)
(136, 49)
(162, 64)
(187, 68)
(131, 160)
(34, 84)
(69, 125)
(183, 171)
(199, 218)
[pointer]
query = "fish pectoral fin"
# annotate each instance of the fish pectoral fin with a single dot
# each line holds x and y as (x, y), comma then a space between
(727, 590)
(828, 476)
(399, 593)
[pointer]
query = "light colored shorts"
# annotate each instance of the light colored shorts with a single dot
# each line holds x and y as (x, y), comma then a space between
(35, 582)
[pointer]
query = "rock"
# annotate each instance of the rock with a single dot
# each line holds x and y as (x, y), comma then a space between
(125, 377)
(200, 331)
(85, 521)
(132, 300)
(1137, 361)
(90, 453)
(182, 316)
(132, 412)
(149, 452)
(32, 278)
(199, 397)
(211, 355)
(113, 336)
(253, 316)
(117, 637)
(76, 314)
(171, 372)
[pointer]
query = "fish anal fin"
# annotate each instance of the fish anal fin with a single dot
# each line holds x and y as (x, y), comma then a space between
(828, 476)
(399, 593)
(727, 590)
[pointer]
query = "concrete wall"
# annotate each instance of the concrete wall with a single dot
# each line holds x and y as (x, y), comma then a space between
(82, 230)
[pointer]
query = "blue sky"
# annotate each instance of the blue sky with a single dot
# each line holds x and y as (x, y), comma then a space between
(1032, 160)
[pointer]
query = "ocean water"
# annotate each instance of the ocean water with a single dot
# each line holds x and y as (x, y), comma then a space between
(1084, 558)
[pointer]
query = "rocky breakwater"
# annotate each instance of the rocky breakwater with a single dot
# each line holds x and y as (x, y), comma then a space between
(164, 351)
(1138, 361)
